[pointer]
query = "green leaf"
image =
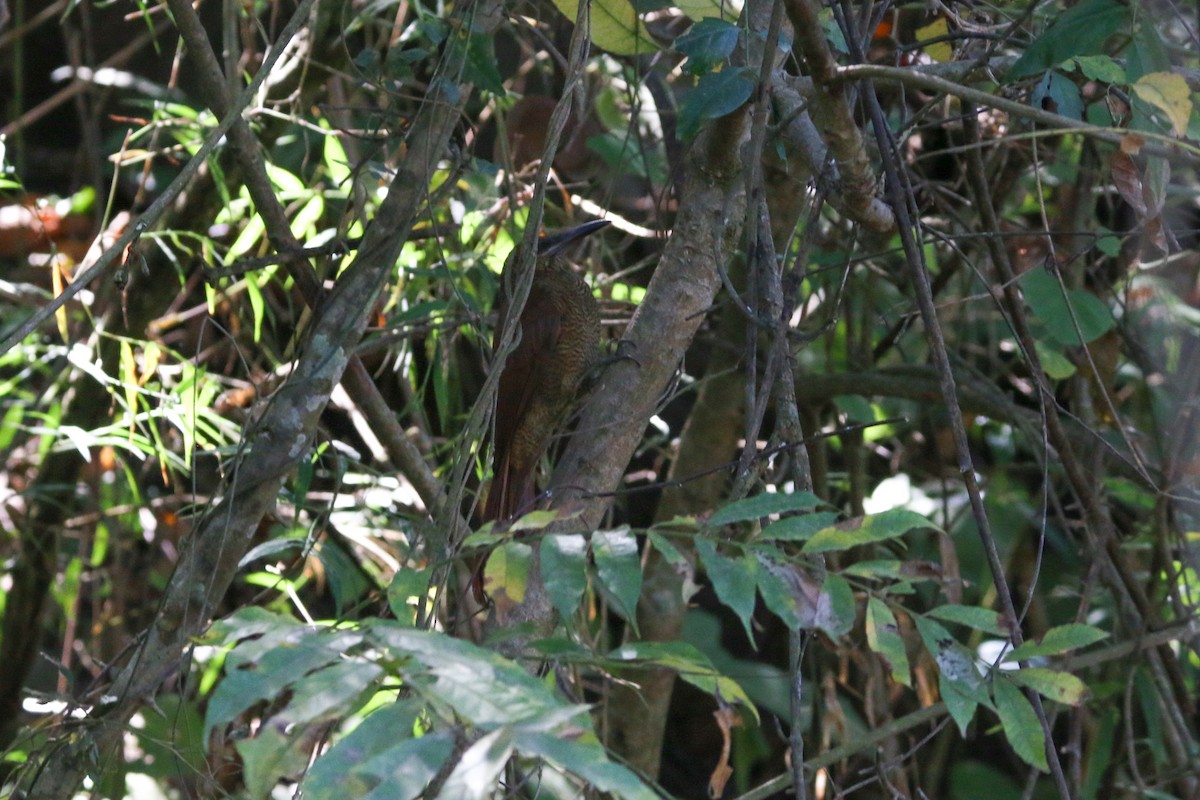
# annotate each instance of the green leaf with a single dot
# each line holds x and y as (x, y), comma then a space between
(533, 521)
(1045, 298)
(716, 94)
(346, 580)
(615, 26)
(782, 590)
(400, 770)
(798, 529)
(9, 425)
(955, 663)
(883, 637)
(1061, 687)
(269, 756)
(1058, 640)
(619, 570)
(691, 665)
(1021, 726)
(699, 9)
(480, 685)
(1061, 91)
(669, 551)
(1080, 31)
(707, 45)
(1101, 68)
(263, 668)
(981, 619)
(890, 524)
(734, 580)
(764, 505)
(959, 681)
(564, 568)
(959, 703)
(327, 693)
(337, 163)
(481, 65)
(408, 583)
(585, 757)
(1054, 362)
(835, 606)
(480, 765)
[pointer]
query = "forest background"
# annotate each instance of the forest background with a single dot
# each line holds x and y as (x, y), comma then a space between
(887, 488)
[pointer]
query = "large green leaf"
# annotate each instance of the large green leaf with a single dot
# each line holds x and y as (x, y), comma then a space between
(1058, 312)
(1021, 726)
(380, 756)
(707, 45)
(619, 570)
(733, 579)
(716, 94)
(1080, 31)
(564, 568)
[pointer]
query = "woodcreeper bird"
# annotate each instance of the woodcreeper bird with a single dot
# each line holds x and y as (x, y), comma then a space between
(559, 343)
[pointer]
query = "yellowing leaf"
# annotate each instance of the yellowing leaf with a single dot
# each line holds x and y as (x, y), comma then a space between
(615, 26)
(507, 572)
(938, 51)
(1169, 93)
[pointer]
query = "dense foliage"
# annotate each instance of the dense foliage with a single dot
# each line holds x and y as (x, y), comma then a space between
(885, 484)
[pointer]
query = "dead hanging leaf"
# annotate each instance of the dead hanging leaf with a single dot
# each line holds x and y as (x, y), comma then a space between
(727, 720)
(1132, 144)
(1128, 180)
(1145, 190)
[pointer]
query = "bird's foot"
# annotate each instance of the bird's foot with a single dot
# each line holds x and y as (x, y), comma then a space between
(619, 350)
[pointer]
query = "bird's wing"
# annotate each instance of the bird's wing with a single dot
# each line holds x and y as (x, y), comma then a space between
(540, 330)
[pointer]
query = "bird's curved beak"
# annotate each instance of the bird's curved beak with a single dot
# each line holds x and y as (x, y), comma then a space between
(555, 242)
